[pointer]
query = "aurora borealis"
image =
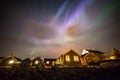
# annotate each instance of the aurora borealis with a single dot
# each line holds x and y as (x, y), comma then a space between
(47, 28)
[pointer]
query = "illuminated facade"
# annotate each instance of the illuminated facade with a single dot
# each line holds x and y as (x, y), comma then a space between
(70, 58)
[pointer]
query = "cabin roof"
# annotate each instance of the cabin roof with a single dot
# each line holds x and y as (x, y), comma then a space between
(70, 50)
(18, 59)
(92, 51)
(83, 55)
(49, 59)
(95, 51)
(2, 57)
(11, 56)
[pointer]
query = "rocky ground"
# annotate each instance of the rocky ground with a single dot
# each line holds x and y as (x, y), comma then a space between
(70, 73)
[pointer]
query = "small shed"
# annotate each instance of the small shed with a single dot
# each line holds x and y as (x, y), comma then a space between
(49, 62)
(37, 62)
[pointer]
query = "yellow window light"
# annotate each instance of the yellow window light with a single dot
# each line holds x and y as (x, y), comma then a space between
(112, 57)
(36, 62)
(47, 62)
(76, 58)
(67, 58)
(11, 62)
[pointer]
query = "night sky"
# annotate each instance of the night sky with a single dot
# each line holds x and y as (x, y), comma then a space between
(47, 28)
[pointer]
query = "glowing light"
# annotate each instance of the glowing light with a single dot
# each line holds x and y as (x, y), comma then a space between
(11, 62)
(112, 57)
(33, 51)
(67, 58)
(36, 62)
(47, 62)
(76, 58)
(79, 15)
(60, 11)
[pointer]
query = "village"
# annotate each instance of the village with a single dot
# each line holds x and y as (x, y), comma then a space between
(70, 65)
(70, 58)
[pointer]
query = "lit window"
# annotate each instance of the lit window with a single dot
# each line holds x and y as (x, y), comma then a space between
(47, 62)
(112, 57)
(36, 62)
(67, 58)
(11, 62)
(76, 58)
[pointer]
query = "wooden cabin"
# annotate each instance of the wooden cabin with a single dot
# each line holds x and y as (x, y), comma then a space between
(26, 63)
(115, 54)
(1, 58)
(49, 62)
(37, 62)
(69, 58)
(91, 57)
(10, 60)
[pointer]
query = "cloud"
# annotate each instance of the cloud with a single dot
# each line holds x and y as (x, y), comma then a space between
(40, 31)
(11, 40)
(73, 31)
